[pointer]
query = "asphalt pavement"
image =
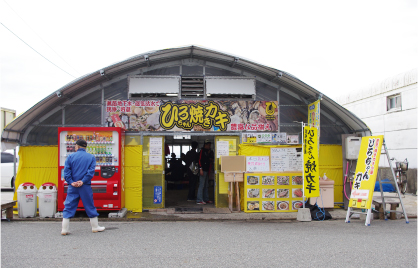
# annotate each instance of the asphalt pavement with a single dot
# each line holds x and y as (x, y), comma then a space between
(210, 244)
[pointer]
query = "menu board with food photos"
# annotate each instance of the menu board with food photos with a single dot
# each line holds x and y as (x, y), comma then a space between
(273, 192)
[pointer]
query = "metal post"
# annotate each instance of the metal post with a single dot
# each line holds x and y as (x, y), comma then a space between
(394, 178)
(14, 163)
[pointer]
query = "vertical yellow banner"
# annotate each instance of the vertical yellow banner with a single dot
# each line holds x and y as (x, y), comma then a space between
(310, 162)
(314, 114)
(366, 172)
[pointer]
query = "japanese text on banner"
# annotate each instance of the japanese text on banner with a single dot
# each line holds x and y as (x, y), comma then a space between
(310, 162)
(366, 172)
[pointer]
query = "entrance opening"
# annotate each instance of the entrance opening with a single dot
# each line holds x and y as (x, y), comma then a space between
(176, 175)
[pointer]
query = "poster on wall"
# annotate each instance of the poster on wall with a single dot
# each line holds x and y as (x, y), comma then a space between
(263, 137)
(222, 148)
(286, 159)
(156, 115)
(258, 163)
(292, 139)
(279, 138)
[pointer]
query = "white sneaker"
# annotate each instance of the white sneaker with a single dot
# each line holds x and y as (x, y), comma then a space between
(95, 225)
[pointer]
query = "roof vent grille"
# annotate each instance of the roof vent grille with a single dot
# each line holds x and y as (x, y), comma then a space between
(192, 87)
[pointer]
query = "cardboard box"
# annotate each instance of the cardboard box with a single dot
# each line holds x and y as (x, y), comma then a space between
(235, 163)
(229, 177)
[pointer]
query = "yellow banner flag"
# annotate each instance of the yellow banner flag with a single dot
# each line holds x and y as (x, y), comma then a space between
(310, 162)
(366, 172)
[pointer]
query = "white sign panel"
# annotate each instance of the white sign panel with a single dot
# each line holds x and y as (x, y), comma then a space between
(279, 137)
(359, 194)
(286, 159)
(155, 160)
(155, 146)
(222, 148)
(263, 137)
(279, 160)
(258, 163)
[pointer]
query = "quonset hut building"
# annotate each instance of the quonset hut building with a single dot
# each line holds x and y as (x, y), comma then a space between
(190, 74)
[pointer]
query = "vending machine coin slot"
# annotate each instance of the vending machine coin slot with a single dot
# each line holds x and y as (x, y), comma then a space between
(107, 172)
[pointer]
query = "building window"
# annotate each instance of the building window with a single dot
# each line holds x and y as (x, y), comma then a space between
(394, 103)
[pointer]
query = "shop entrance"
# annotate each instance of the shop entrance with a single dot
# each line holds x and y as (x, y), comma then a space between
(177, 184)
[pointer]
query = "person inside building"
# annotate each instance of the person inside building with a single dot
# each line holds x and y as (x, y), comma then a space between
(206, 158)
(176, 168)
(191, 159)
(78, 172)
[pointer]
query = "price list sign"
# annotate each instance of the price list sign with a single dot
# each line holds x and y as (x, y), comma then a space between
(258, 163)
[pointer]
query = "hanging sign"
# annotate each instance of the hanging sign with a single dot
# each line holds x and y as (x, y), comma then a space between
(313, 114)
(156, 115)
(366, 172)
(310, 162)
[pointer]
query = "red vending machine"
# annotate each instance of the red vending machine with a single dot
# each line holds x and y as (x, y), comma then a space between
(106, 144)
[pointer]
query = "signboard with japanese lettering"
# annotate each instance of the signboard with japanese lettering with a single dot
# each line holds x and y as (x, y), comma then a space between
(366, 172)
(314, 114)
(286, 159)
(258, 163)
(156, 115)
(310, 162)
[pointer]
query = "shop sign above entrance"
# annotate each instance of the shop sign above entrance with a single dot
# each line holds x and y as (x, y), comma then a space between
(155, 115)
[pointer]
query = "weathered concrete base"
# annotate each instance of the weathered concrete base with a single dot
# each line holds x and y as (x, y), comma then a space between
(120, 214)
(304, 214)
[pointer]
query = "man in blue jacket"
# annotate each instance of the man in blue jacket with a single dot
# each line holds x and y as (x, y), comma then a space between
(78, 172)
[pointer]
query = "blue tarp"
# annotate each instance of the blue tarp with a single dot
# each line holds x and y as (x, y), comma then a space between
(387, 187)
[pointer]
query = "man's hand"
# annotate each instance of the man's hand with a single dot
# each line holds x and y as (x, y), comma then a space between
(77, 184)
(201, 172)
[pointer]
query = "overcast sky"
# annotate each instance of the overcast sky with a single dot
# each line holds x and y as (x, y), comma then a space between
(334, 46)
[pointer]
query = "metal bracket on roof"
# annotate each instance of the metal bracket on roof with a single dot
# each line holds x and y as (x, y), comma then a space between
(234, 62)
(277, 76)
(103, 73)
(146, 58)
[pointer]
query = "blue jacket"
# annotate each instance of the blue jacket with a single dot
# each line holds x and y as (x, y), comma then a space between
(79, 167)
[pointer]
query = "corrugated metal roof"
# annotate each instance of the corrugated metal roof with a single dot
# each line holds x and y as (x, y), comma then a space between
(77, 86)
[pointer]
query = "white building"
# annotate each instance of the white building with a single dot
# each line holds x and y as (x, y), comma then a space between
(389, 108)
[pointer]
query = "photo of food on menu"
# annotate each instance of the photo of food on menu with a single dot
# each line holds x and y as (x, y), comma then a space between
(253, 193)
(282, 180)
(268, 205)
(297, 193)
(297, 204)
(268, 180)
(268, 193)
(282, 193)
(253, 180)
(253, 205)
(282, 205)
(297, 180)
